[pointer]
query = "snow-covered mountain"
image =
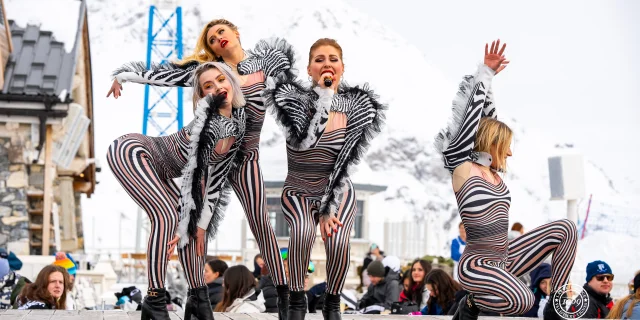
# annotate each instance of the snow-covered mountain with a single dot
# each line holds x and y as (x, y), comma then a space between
(418, 96)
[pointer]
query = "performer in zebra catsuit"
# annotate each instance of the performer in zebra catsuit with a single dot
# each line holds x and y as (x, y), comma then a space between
(474, 146)
(328, 131)
(219, 40)
(204, 149)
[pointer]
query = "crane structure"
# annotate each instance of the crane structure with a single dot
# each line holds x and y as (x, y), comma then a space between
(162, 105)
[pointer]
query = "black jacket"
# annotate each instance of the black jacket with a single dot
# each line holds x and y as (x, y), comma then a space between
(269, 293)
(215, 291)
(384, 293)
(537, 275)
(599, 305)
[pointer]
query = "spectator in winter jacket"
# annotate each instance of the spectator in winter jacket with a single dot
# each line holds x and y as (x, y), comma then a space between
(213, 271)
(74, 299)
(442, 290)
(49, 291)
(14, 263)
(383, 290)
(11, 283)
(541, 287)
(374, 254)
(240, 292)
(417, 292)
(269, 291)
(598, 286)
(629, 306)
(457, 247)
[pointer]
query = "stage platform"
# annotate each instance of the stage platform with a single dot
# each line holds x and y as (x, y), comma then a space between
(135, 315)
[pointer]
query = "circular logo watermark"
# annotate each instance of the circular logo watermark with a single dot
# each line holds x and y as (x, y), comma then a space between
(570, 302)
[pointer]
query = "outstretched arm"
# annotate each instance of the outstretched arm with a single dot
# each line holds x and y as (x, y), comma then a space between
(166, 75)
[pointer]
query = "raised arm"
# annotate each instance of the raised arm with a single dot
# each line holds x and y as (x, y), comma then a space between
(456, 142)
(166, 75)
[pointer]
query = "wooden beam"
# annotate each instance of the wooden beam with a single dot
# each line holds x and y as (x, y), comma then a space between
(48, 189)
(82, 186)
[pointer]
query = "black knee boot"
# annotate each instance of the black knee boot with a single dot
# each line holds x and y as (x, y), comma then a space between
(467, 309)
(297, 305)
(154, 306)
(198, 304)
(283, 301)
(331, 307)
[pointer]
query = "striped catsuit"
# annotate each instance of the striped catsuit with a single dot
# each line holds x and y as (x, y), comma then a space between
(326, 134)
(144, 166)
(268, 59)
(490, 265)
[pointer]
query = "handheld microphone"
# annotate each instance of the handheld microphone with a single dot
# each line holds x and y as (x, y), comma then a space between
(328, 81)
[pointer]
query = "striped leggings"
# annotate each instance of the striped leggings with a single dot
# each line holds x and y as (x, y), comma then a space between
(302, 216)
(248, 185)
(144, 166)
(495, 284)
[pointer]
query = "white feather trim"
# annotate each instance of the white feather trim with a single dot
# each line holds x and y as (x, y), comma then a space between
(323, 106)
(186, 199)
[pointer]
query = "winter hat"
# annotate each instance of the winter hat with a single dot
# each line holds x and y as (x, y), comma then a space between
(14, 262)
(392, 262)
(597, 267)
(636, 282)
(4, 267)
(67, 264)
(375, 269)
(129, 293)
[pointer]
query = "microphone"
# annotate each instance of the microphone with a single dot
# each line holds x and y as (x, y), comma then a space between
(328, 81)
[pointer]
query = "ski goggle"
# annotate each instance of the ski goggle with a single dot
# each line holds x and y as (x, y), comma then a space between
(284, 253)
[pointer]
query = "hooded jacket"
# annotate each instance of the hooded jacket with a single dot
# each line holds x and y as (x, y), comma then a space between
(543, 271)
(252, 302)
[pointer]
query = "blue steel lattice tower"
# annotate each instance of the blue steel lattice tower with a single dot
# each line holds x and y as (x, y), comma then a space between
(163, 105)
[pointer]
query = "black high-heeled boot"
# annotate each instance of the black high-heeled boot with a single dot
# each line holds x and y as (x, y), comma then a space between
(154, 306)
(331, 307)
(283, 301)
(467, 309)
(297, 305)
(198, 304)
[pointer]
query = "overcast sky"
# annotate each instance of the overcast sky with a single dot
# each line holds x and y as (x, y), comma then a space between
(574, 72)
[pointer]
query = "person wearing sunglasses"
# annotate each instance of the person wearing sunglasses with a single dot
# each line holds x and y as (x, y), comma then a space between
(598, 286)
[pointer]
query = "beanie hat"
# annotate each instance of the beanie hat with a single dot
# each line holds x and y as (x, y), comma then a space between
(636, 282)
(376, 269)
(4, 268)
(14, 262)
(596, 268)
(67, 264)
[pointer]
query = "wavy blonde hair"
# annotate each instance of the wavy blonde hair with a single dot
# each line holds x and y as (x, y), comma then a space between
(202, 52)
(492, 132)
(616, 311)
(238, 98)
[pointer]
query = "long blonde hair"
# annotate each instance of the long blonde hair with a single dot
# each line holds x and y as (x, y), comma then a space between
(238, 98)
(492, 132)
(202, 52)
(616, 311)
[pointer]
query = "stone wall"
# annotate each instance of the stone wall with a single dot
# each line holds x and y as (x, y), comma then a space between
(14, 180)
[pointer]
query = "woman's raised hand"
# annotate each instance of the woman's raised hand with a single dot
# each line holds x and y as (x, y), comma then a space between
(494, 57)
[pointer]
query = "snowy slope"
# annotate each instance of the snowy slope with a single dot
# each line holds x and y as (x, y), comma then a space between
(418, 96)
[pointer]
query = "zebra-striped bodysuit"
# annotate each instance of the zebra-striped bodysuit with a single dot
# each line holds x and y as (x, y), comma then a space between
(144, 166)
(268, 59)
(490, 265)
(326, 134)
(307, 178)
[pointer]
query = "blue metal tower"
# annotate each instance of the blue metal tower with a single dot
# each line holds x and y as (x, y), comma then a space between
(163, 105)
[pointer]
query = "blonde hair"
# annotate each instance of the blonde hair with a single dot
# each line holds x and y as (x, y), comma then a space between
(616, 311)
(492, 132)
(238, 98)
(202, 52)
